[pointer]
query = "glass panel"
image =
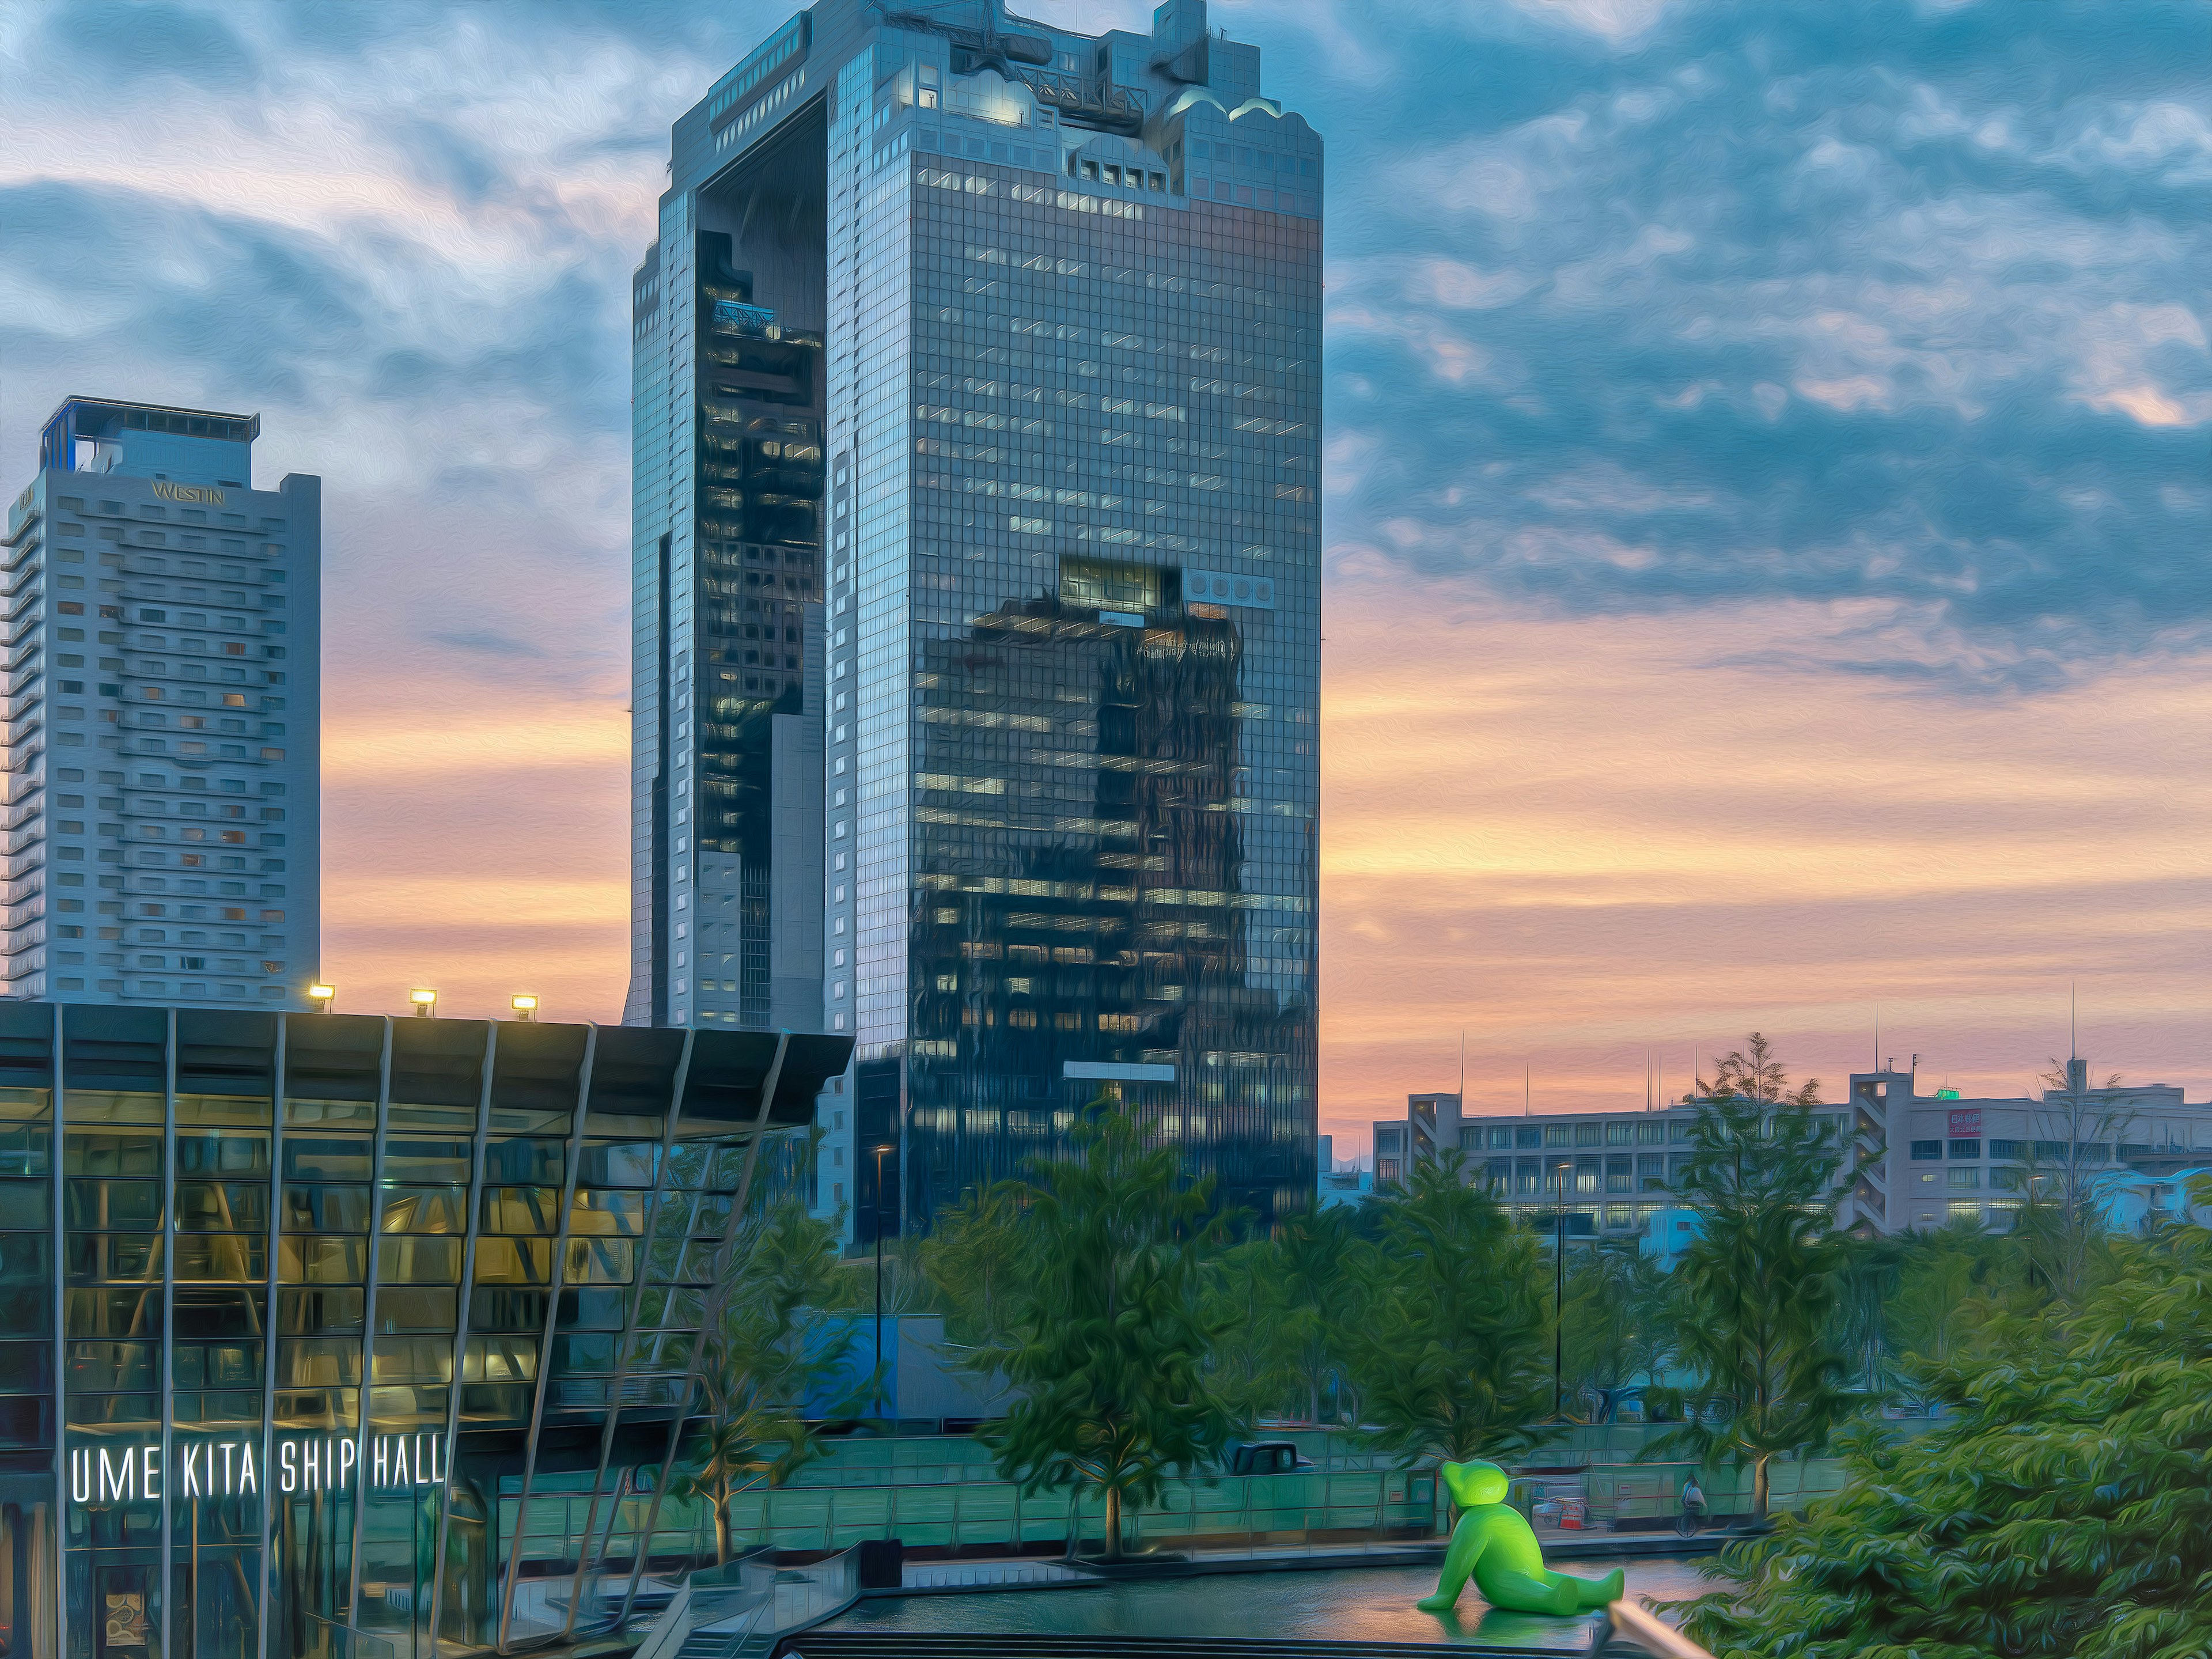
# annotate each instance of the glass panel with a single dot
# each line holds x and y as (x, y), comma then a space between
(408, 1259)
(306, 1259)
(242, 1110)
(426, 1210)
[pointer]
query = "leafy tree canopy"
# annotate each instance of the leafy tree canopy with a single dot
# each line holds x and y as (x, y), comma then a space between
(1283, 1299)
(1100, 1323)
(1758, 1287)
(2064, 1511)
(1449, 1347)
(1619, 1318)
(767, 1349)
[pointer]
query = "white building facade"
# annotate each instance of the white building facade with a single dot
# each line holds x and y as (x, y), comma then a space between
(1921, 1161)
(163, 717)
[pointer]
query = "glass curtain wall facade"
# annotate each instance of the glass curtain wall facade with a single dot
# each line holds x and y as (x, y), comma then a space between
(1070, 620)
(320, 1325)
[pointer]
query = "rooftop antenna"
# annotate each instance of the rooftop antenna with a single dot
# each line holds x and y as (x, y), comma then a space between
(1877, 1036)
(1462, 1068)
(1647, 1079)
(1527, 1069)
(2073, 1039)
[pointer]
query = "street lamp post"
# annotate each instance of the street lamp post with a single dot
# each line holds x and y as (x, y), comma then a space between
(1559, 1298)
(879, 1152)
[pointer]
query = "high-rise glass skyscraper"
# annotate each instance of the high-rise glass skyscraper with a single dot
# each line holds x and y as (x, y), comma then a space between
(163, 770)
(977, 589)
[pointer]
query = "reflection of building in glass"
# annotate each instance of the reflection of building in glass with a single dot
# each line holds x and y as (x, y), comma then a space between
(1078, 879)
(1052, 728)
(304, 1305)
(729, 605)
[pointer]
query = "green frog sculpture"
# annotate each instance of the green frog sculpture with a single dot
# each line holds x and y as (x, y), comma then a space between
(1494, 1544)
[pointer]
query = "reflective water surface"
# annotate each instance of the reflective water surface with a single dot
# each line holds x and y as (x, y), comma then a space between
(1373, 1604)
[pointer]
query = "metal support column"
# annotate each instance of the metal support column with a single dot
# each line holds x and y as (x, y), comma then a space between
(368, 1319)
(60, 1352)
(621, 1379)
(266, 1484)
(712, 1312)
(461, 1325)
(557, 1276)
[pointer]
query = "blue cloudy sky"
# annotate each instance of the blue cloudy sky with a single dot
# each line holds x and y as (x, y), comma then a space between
(1767, 509)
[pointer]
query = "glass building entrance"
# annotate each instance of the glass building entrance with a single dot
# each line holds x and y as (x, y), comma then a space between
(331, 1335)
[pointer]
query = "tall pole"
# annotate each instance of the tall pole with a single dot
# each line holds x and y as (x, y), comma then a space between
(1559, 1299)
(880, 1151)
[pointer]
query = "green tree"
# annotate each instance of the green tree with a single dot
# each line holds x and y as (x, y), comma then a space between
(1311, 1250)
(1619, 1318)
(1866, 1287)
(1100, 1325)
(1447, 1344)
(1757, 1286)
(2064, 1511)
(1248, 1362)
(1281, 1299)
(783, 1332)
(973, 1260)
(1951, 1282)
(2057, 1228)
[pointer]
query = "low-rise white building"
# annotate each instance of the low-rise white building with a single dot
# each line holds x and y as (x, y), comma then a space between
(1922, 1160)
(1936, 1159)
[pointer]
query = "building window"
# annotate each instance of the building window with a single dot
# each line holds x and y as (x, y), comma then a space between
(1525, 1138)
(1590, 1134)
(1965, 1180)
(1966, 1212)
(2006, 1148)
(1619, 1134)
(1925, 1150)
(1966, 1148)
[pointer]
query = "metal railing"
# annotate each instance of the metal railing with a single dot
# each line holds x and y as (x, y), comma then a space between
(1231, 1511)
(1335, 1511)
(328, 1638)
(1624, 1621)
(747, 1606)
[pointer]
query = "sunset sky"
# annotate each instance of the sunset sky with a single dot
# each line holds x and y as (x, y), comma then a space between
(1768, 502)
